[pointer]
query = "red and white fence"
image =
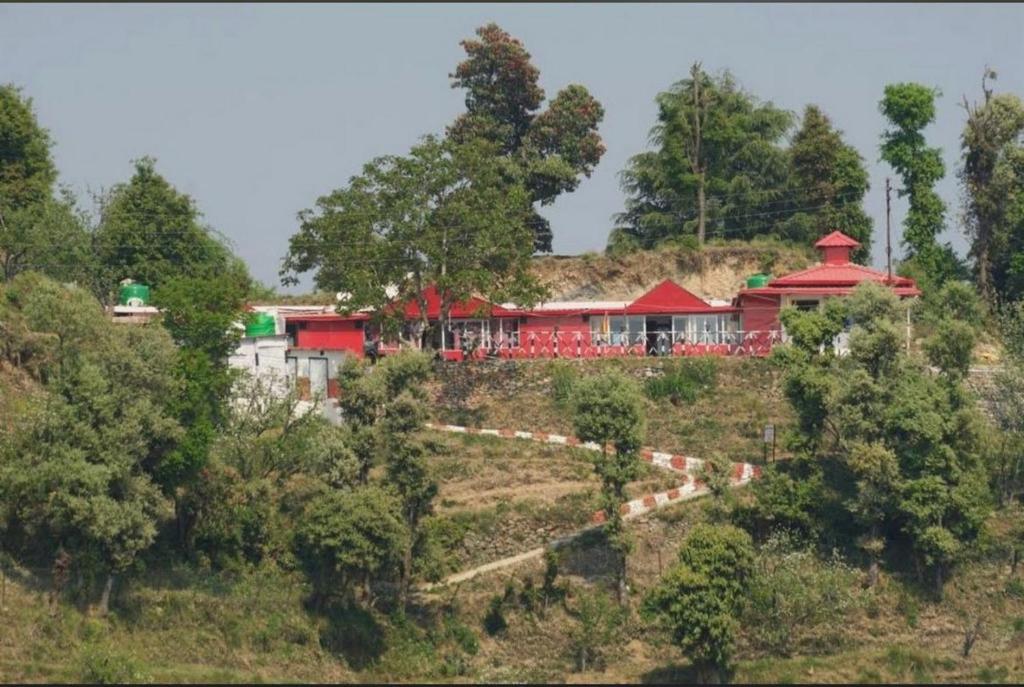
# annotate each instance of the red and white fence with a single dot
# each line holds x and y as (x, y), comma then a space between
(687, 466)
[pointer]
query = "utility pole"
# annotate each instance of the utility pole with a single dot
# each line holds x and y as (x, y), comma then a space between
(888, 228)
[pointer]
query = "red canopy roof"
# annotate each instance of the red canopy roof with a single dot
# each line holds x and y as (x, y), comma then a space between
(837, 239)
(668, 297)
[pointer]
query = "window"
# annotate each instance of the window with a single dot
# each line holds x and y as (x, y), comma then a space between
(806, 305)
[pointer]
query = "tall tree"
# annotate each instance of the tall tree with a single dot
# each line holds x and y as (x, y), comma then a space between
(38, 230)
(27, 172)
(150, 232)
(717, 166)
(608, 411)
(200, 313)
(909, 108)
(828, 183)
(548, 151)
(992, 177)
(442, 216)
(77, 472)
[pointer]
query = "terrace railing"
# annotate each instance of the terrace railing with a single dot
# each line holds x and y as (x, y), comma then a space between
(553, 344)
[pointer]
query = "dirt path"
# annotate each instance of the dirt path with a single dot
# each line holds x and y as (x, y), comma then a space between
(691, 488)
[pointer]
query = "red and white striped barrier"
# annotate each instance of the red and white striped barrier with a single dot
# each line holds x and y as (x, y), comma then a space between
(692, 487)
(669, 461)
(743, 473)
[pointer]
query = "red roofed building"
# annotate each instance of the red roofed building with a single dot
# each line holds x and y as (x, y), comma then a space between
(667, 320)
(807, 289)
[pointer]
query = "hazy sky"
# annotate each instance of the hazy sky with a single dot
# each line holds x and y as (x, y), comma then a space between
(255, 110)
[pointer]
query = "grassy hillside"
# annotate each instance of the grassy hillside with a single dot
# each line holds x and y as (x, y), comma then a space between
(717, 271)
(499, 497)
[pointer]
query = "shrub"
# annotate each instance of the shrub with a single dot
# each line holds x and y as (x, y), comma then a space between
(103, 666)
(563, 378)
(683, 381)
(494, 621)
(599, 625)
(794, 595)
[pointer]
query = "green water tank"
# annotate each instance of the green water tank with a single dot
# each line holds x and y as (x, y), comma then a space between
(757, 281)
(261, 324)
(133, 294)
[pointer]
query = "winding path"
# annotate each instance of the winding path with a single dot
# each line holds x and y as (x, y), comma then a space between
(691, 488)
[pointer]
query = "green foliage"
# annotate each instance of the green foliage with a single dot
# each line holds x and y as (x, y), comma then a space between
(828, 182)
(563, 380)
(909, 108)
(200, 313)
(494, 621)
(992, 178)
(699, 599)
(794, 597)
(951, 348)
(348, 537)
(27, 172)
(683, 381)
(902, 449)
(76, 469)
(599, 626)
(99, 665)
(441, 216)
(716, 141)
(546, 152)
(150, 232)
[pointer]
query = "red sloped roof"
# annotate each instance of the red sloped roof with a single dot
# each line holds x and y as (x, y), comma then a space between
(837, 239)
(668, 297)
(837, 275)
(470, 308)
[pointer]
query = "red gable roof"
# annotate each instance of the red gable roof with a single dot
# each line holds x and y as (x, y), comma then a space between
(473, 307)
(837, 239)
(838, 275)
(668, 297)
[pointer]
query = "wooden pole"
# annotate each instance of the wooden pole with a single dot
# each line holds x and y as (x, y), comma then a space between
(888, 227)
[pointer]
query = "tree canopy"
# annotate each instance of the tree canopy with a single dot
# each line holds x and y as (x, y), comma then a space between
(992, 177)
(440, 216)
(549, 151)
(150, 232)
(909, 108)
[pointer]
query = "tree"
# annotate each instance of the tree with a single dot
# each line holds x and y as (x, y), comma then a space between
(77, 471)
(608, 410)
(201, 313)
(992, 177)
(27, 172)
(909, 108)
(38, 230)
(829, 180)
(698, 600)
(150, 232)
(900, 447)
(547, 152)
(717, 165)
(440, 216)
(599, 625)
(346, 538)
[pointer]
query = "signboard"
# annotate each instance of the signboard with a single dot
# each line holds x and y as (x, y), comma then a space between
(769, 434)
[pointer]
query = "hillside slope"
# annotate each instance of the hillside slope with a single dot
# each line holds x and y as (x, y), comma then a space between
(717, 271)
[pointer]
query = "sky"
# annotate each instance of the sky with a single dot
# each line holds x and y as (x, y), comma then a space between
(257, 110)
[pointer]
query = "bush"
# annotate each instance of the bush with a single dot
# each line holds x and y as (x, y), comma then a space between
(599, 625)
(795, 596)
(683, 381)
(563, 378)
(103, 666)
(494, 621)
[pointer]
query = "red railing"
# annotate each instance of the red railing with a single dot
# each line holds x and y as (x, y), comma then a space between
(551, 344)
